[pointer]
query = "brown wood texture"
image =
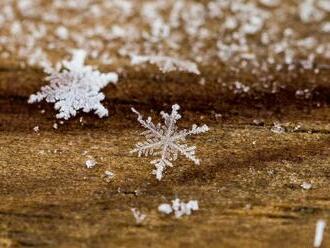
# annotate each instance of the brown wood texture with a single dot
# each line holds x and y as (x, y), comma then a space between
(248, 183)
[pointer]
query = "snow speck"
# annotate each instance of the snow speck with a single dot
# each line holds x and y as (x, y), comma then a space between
(306, 185)
(320, 226)
(179, 207)
(139, 217)
(36, 129)
(90, 163)
(277, 128)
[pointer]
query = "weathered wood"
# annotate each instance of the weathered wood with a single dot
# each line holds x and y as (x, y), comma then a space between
(248, 184)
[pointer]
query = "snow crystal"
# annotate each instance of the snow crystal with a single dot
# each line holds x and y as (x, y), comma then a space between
(62, 32)
(165, 140)
(270, 3)
(277, 128)
(36, 129)
(309, 12)
(75, 86)
(90, 163)
(320, 226)
(166, 64)
(325, 27)
(139, 217)
(306, 185)
(179, 208)
(165, 208)
(109, 174)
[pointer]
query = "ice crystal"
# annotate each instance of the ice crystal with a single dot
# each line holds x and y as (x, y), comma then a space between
(166, 64)
(180, 208)
(277, 128)
(90, 163)
(75, 86)
(166, 140)
(306, 185)
(139, 217)
(320, 226)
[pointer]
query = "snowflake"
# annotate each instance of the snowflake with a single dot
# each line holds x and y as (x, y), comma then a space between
(74, 86)
(165, 140)
(166, 64)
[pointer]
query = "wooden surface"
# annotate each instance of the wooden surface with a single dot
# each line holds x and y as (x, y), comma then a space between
(248, 183)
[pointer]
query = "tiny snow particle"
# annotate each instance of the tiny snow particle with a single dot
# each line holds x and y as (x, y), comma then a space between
(309, 13)
(90, 163)
(218, 116)
(180, 208)
(277, 128)
(306, 185)
(296, 128)
(165, 63)
(62, 32)
(258, 122)
(165, 208)
(55, 125)
(109, 174)
(325, 27)
(36, 129)
(320, 226)
(270, 3)
(139, 217)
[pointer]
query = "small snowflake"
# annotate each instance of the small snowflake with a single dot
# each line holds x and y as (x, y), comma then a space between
(75, 86)
(139, 217)
(166, 141)
(166, 64)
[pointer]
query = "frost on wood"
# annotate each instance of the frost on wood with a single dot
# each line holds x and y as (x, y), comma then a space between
(74, 86)
(166, 140)
(166, 64)
(179, 208)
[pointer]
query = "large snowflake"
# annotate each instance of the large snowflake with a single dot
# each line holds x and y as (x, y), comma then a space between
(166, 140)
(74, 86)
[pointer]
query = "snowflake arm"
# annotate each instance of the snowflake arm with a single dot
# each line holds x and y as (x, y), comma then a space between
(164, 141)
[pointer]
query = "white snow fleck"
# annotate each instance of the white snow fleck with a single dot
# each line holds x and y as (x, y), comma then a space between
(277, 128)
(270, 3)
(165, 208)
(36, 129)
(62, 32)
(90, 163)
(306, 185)
(139, 217)
(309, 12)
(166, 64)
(326, 27)
(179, 207)
(166, 140)
(320, 226)
(109, 174)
